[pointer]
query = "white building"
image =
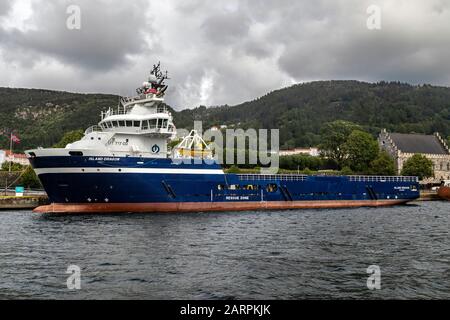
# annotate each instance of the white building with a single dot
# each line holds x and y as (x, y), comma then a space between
(314, 152)
(2, 157)
(19, 158)
(401, 147)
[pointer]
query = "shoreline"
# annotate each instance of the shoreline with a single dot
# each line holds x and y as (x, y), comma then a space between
(24, 202)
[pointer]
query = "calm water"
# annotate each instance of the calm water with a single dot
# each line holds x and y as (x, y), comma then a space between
(265, 255)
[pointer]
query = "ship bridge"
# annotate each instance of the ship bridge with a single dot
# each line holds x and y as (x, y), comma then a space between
(147, 121)
(139, 126)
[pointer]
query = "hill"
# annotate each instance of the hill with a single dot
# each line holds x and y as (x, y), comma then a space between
(301, 110)
(42, 116)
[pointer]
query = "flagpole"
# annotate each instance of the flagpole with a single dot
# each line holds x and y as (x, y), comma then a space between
(10, 151)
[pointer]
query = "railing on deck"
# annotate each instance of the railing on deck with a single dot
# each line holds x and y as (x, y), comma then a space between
(297, 177)
(383, 178)
(284, 177)
(93, 129)
(121, 110)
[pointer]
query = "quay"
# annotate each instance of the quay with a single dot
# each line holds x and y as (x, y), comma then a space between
(428, 195)
(24, 202)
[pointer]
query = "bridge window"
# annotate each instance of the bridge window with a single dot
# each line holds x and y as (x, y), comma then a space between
(145, 125)
(115, 124)
(152, 123)
(137, 124)
(129, 123)
(121, 123)
(75, 153)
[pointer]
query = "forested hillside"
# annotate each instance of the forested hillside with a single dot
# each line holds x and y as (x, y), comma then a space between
(41, 117)
(301, 110)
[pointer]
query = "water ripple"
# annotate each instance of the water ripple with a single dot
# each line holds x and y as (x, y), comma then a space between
(296, 254)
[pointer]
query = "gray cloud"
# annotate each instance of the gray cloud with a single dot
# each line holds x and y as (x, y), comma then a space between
(222, 52)
(5, 6)
(107, 36)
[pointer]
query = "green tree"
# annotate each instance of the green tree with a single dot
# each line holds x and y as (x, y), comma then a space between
(172, 144)
(418, 165)
(233, 169)
(346, 171)
(29, 179)
(334, 135)
(14, 166)
(382, 165)
(301, 162)
(360, 149)
(69, 137)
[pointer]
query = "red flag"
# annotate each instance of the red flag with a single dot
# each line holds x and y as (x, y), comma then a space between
(15, 138)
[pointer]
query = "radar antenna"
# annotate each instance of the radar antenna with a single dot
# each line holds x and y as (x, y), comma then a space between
(155, 83)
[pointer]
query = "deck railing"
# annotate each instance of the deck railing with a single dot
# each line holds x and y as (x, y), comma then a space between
(383, 178)
(93, 129)
(301, 177)
(284, 177)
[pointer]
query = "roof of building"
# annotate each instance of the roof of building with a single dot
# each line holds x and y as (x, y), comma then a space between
(418, 143)
(15, 155)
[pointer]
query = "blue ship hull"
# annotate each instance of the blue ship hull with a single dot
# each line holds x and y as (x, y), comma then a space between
(110, 184)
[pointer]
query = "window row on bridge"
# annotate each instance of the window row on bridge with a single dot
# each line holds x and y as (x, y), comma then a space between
(143, 125)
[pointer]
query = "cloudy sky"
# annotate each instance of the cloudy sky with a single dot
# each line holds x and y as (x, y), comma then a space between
(221, 51)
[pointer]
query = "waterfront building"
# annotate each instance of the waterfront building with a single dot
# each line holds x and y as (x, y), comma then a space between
(401, 147)
(19, 158)
(308, 151)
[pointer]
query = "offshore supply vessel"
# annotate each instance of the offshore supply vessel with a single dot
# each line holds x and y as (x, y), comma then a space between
(123, 164)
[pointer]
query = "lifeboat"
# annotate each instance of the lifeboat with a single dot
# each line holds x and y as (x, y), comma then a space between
(444, 190)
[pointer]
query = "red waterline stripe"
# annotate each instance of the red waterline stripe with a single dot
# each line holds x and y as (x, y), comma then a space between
(209, 206)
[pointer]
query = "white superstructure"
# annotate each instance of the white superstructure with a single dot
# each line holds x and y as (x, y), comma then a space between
(139, 127)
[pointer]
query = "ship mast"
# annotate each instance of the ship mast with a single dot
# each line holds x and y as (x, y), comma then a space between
(155, 83)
